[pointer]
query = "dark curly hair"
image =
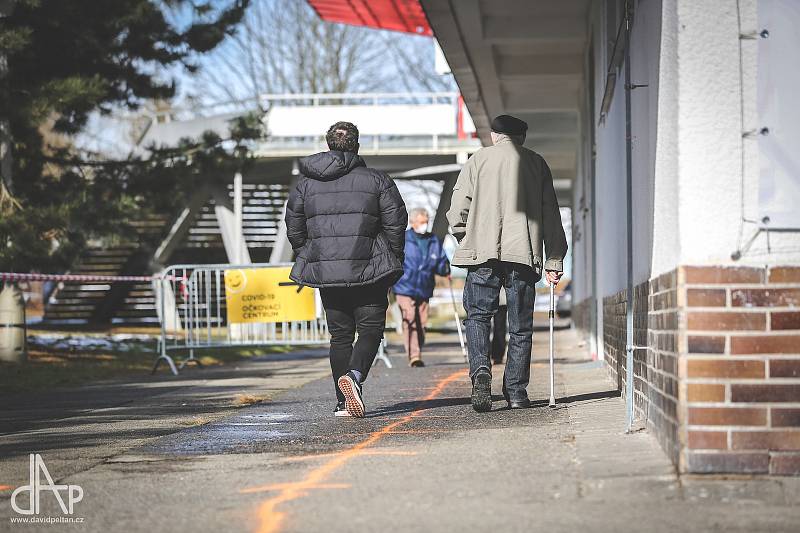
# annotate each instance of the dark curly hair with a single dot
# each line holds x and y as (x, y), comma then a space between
(343, 137)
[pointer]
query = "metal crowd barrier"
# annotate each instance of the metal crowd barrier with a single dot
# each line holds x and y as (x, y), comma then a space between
(192, 309)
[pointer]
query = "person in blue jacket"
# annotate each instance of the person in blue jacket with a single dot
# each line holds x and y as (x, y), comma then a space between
(424, 259)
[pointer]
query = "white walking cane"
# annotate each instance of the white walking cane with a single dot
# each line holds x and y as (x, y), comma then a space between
(552, 372)
(458, 320)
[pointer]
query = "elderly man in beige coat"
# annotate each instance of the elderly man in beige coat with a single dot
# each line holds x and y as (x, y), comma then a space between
(504, 206)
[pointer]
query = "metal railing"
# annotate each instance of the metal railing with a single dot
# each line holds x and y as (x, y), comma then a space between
(264, 102)
(192, 310)
(296, 123)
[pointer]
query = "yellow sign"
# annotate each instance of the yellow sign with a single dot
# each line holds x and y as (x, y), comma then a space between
(266, 295)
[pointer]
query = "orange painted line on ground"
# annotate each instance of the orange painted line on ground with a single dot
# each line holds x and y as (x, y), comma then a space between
(6, 487)
(430, 416)
(312, 456)
(388, 452)
(270, 518)
(426, 416)
(427, 431)
(282, 486)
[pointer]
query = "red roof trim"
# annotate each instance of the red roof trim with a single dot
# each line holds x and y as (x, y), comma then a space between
(397, 15)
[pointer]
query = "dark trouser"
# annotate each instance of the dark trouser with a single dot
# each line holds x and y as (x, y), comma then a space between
(349, 310)
(481, 295)
(499, 334)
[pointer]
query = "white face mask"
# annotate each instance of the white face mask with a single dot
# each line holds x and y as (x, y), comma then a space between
(420, 229)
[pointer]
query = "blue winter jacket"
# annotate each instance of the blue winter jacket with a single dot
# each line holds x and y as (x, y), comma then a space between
(418, 269)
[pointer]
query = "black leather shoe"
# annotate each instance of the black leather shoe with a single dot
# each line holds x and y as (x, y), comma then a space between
(522, 403)
(519, 404)
(482, 392)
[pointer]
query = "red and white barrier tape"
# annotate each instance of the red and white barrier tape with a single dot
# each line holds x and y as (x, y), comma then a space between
(15, 276)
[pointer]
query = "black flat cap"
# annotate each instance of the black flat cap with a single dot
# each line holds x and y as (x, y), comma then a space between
(509, 125)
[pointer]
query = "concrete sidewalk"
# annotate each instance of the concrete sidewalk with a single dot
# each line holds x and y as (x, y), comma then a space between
(422, 460)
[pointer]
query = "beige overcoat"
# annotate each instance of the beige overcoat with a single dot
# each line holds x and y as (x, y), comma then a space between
(504, 207)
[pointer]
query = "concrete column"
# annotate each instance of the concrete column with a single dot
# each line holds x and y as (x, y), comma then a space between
(232, 236)
(282, 252)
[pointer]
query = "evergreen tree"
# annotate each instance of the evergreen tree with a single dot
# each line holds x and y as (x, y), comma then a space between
(61, 60)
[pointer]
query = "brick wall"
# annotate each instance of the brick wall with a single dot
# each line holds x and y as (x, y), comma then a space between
(641, 374)
(741, 369)
(718, 382)
(614, 308)
(662, 362)
(655, 361)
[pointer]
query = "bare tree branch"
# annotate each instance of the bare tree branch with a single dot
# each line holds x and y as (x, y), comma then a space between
(283, 47)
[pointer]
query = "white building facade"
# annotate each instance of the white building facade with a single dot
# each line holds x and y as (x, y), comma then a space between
(676, 123)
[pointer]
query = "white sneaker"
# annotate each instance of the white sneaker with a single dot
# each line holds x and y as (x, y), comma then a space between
(351, 389)
(341, 410)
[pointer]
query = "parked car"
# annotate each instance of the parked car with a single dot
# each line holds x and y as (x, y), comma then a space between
(564, 302)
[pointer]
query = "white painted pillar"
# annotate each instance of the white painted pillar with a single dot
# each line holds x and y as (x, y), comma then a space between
(237, 215)
(230, 226)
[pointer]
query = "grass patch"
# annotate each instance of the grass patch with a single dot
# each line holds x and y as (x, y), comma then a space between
(195, 421)
(53, 367)
(46, 370)
(243, 400)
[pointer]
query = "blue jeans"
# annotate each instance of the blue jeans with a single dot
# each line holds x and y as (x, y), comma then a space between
(481, 295)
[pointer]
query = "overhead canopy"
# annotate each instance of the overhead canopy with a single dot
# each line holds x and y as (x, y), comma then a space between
(396, 15)
(523, 58)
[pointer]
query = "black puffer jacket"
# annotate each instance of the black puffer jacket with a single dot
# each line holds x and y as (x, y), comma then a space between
(346, 222)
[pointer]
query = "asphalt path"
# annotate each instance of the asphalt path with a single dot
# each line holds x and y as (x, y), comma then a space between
(421, 460)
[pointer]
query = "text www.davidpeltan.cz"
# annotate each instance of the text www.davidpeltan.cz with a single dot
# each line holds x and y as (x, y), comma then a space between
(47, 519)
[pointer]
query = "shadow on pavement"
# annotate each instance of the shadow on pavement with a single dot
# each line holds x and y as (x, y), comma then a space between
(408, 407)
(590, 396)
(438, 403)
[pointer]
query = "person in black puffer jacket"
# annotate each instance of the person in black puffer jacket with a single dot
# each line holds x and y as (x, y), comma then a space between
(346, 224)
